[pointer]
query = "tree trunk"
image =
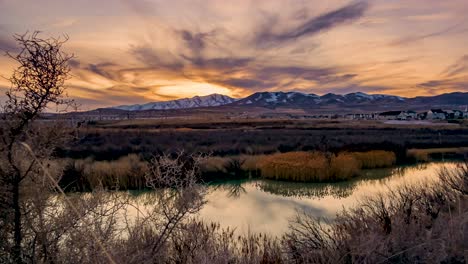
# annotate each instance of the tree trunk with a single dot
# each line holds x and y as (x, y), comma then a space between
(17, 221)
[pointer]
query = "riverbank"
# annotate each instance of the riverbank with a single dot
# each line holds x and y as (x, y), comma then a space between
(129, 172)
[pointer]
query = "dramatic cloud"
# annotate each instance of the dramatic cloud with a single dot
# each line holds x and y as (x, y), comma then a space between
(137, 51)
(219, 63)
(416, 38)
(162, 59)
(196, 42)
(459, 84)
(312, 26)
(454, 77)
(460, 66)
(100, 69)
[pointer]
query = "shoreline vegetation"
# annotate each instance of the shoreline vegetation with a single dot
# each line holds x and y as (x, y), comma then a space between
(319, 166)
(128, 173)
(383, 228)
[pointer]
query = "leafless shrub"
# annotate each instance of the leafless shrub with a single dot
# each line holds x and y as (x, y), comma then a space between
(456, 179)
(36, 83)
(409, 224)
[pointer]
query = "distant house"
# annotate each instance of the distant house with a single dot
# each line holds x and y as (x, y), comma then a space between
(458, 114)
(422, 115)
(399, 115)
(391, 115)
(449, 114)
(436, 114)
(363, 116)
(411, 115)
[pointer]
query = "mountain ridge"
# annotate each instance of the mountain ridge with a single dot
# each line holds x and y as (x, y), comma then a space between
(183, 103)
(303, 100)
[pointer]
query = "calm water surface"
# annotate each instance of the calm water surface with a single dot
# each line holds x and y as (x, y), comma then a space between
(267, 206)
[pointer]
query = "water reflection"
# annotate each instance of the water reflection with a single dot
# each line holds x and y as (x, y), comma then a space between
(307, 190)
(233, 188)
(313, 190)
(266, 206)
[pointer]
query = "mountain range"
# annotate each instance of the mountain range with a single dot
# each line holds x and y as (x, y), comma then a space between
(194, 102)
(273, 100)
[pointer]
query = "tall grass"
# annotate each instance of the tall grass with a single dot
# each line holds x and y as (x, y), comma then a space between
(319, 166)
(343, 166)
(129, 171)
(295, 166)
(125, 173)
(375, 159)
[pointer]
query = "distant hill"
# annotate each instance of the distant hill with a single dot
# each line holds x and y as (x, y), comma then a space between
(310, 102)
(194, 102)
(302, 100)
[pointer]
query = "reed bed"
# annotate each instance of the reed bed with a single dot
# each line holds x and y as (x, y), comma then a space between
(375, 159)
(319, 166)
(294, 166)
(125, 173)
(129, 171)
(343, 166)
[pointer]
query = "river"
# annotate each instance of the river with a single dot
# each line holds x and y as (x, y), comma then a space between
(267, 206)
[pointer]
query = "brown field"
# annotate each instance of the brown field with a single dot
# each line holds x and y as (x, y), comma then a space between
(215, 122)
(110, 140)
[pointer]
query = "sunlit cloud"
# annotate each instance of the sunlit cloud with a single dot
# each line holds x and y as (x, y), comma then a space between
(150, 50)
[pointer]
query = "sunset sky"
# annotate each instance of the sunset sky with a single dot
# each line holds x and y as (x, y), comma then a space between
(137, 51)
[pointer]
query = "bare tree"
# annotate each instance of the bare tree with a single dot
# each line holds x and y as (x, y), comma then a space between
(177, 195)
(35, 84)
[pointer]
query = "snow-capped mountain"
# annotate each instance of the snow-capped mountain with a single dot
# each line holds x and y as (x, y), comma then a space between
(197, 101)
(274, 100)
(295, 99)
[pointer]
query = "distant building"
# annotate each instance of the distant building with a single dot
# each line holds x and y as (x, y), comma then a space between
(436, 114)
(422, 115)
(458, 114)
(391, 115)
(449, 114)
(411, 115)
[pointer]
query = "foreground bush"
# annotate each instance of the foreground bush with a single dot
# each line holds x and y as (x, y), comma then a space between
(411, 224)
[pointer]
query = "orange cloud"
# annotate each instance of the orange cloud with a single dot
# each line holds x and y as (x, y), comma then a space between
(141, 51)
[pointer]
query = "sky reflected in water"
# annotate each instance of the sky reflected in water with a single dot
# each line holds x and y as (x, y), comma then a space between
(267, 206)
